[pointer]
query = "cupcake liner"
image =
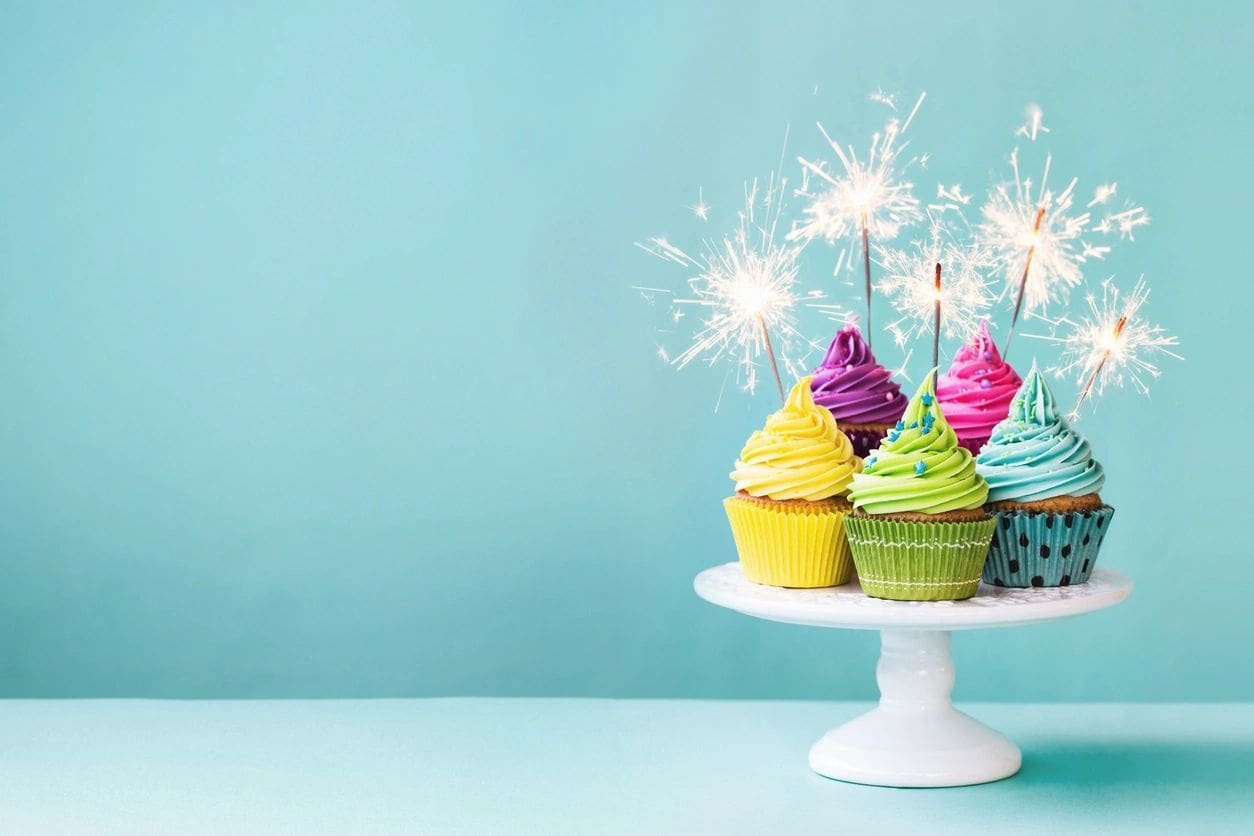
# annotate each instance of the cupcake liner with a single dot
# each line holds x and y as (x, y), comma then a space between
(973, 444)
(1045, 548)
(918, 561)
(790, 544)
(865, 439)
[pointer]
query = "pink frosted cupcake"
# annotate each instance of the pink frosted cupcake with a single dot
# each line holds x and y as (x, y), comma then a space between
(976, 392)
(860, 393)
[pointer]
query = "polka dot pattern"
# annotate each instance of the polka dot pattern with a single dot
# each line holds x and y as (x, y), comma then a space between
(1045, 549)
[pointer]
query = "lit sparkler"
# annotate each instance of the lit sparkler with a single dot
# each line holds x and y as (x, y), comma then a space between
(1037, 239)
(911, 283)
(747, 281)
(1113, 344)
(867, 199)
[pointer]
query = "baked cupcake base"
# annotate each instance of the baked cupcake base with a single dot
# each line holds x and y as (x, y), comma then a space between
(792, 543)
(1049, 543)
(920, 557)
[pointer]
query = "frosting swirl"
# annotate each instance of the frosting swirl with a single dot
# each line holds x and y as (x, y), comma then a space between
(919, 467)
(1034, 453)
(977, 389)
(799, 454)
(852, 385)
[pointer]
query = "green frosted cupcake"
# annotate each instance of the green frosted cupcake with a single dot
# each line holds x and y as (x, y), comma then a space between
(918, 531)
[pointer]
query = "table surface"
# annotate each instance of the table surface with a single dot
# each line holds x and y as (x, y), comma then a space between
(549, 766)
(848, 607)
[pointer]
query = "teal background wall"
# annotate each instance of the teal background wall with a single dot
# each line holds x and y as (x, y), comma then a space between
(322, 374)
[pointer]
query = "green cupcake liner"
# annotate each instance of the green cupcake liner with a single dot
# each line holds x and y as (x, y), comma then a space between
(1045, 548)
(918, 561)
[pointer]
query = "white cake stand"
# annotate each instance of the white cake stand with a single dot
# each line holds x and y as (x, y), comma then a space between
(914, 737)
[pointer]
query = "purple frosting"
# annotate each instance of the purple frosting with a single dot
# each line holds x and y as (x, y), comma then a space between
(853, 386)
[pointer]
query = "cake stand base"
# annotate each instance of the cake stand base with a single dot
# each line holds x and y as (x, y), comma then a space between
(915, 737)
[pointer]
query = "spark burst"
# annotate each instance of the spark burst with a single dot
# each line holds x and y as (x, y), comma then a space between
(747, 282)
(1038, 239)
(1113, 344)
(910, 283)
(867, 201)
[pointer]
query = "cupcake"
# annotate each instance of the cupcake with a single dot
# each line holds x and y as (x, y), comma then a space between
(976, 391)
(860, 393)
(919, 531)
(788, 514)
(1043, 490)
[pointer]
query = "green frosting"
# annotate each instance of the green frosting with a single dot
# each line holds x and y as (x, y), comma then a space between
(919, 466)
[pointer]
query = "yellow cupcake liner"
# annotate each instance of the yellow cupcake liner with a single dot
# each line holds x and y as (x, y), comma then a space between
(792, 544)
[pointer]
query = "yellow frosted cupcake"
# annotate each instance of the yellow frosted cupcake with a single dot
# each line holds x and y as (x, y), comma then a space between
(788, 514)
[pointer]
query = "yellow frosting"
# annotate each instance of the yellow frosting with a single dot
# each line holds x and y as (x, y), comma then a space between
(799, 454)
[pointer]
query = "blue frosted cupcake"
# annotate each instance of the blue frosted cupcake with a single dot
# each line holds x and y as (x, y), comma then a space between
(1043, 491)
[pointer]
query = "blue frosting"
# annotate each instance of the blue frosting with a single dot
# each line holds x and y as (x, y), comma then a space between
(1034, 453)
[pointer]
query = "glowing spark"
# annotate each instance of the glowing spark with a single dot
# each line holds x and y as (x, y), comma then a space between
(910, 283)
(866, 200)
(1040, 265)
(1113, 344)
(746, 282)
(701, 209)
(952, 194)
(1034, 125)
(883, 98)
(1102, 194)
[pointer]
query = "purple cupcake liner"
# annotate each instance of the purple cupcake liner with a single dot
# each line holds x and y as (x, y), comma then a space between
(1045, 548)
(865, 441)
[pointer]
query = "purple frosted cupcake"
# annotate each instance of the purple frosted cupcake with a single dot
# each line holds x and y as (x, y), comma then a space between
(860, 393)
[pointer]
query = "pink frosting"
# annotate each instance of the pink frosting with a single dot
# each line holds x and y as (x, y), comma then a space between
(976, 392)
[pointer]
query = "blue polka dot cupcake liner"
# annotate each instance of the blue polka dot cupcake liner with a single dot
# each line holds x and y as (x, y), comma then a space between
(1045, 548)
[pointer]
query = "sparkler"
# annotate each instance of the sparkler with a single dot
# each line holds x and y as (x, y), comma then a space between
(1037, 239)
(747, 281)
(867, 199)
(912, 283)
(936, 322)
(1113, 344)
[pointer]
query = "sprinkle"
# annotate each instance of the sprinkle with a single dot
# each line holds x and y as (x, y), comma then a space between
(987, 355)
(926, 399)
(888, 396)
(893, 435)
(901, 425)
(849, 367)
(913, 424)
(984, 384)
(920, 468)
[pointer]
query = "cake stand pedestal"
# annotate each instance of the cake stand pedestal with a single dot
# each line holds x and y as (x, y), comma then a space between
(914, 737)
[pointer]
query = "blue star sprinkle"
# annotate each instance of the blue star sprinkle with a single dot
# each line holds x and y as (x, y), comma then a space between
(920, 468)
(926, 399)
(901, 425)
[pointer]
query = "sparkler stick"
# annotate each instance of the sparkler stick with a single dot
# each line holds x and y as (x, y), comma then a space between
(866, 265)
(866, 200)
(911, 284)
(936, 321)
(1088, 387)
(1023, 282)
(770, 353)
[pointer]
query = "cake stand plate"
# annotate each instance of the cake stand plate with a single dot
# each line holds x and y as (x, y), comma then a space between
(914, 737)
